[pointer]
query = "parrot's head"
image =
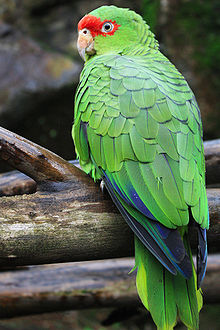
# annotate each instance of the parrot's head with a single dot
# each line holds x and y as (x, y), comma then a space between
(112, 30)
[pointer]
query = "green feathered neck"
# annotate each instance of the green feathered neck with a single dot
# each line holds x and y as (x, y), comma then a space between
(133, 36)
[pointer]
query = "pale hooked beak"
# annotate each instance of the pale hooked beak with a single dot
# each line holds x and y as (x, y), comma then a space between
(85, 43)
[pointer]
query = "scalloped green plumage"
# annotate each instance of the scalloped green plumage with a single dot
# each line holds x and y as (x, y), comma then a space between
(160, 112)
(128, 108)
(133, 83)
(143, 151)
(146, 126)
(167, 140)
(185, 144)
(117, 126)
(187, 169)
(141, 96)
(117, 87)
(137, 119)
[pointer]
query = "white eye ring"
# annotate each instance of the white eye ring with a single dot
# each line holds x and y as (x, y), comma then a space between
(107, 27)
(85, 31)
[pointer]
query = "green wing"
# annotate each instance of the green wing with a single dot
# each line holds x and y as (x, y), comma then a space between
(137, 122)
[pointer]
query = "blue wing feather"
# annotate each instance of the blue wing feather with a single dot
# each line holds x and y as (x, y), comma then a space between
(164, 243)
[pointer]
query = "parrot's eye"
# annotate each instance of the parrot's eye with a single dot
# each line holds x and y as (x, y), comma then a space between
(107, 27)
(85, 31)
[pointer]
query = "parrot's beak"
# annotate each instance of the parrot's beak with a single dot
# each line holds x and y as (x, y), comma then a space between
(85, 43)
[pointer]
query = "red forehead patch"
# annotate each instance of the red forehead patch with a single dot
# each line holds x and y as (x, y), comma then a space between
(94, 25)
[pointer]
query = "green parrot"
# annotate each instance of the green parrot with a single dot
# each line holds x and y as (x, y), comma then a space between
(137, 127)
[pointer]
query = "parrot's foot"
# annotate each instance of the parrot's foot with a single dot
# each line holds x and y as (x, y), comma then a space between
(102, 186)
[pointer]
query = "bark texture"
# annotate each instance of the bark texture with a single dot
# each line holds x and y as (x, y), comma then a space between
(48, 288)
(75, 224)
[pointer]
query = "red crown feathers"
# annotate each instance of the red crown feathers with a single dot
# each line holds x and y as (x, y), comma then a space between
(94, 25)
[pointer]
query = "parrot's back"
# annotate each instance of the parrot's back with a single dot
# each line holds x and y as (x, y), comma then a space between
(137, 126)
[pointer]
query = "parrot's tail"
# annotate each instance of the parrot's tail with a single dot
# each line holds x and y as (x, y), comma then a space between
(167, 296)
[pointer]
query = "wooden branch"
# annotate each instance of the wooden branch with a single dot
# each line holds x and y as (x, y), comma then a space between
(212, 161)
(79, 223)
(17, 183)
(58, 287)
(33, 160)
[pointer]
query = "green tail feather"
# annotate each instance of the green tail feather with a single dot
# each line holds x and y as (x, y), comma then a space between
(166, 296)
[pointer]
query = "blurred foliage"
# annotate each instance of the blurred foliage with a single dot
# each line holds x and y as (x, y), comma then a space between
(150, 10)
(201, 21)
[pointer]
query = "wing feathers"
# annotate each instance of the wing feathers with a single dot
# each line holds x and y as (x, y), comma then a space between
(170, 252)
(143, 128)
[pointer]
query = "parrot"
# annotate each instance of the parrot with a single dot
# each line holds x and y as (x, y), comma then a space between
(137, 128)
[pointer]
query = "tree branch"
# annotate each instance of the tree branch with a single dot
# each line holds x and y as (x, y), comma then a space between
(33, 160)
(17, 183)
(79, 223)
(212, 161)
(49, 288)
